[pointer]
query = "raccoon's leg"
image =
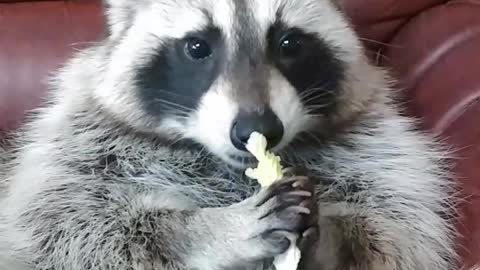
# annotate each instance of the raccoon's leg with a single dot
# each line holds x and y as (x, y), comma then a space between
(374, 232)
(79, 227)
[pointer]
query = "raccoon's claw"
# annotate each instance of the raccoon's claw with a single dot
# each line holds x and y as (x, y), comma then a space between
(308, 238)
(287, 207)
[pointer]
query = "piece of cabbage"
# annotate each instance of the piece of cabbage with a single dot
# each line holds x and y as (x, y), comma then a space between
(269, 170)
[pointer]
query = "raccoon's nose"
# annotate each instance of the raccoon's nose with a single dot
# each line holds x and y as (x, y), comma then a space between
(266, 123)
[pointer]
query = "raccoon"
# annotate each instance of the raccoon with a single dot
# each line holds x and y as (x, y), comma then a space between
(137, 160)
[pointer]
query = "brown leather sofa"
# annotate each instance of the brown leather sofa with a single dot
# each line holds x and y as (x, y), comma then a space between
(431, 46)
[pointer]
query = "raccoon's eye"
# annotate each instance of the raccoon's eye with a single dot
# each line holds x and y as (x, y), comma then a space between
(197, 49)
(291, 44)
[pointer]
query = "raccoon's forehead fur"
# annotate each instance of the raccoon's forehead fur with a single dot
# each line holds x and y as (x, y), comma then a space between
(144, 77)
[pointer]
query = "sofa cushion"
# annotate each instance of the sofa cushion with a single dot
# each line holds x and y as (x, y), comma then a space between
(431, 46)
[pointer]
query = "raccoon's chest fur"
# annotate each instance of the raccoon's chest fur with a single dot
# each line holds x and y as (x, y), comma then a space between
(152, 167)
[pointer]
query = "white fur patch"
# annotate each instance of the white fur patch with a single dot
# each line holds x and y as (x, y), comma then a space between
(286, 104)
(212, 122)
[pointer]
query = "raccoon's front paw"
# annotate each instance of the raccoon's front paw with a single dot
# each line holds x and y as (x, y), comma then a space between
(288, 207)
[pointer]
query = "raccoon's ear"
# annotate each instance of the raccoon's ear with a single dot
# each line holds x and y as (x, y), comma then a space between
(119, 14)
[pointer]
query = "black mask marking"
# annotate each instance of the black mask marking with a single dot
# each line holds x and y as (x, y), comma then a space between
(173, 81)
(308, 63)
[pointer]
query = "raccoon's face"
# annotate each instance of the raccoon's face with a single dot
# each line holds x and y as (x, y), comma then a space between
(216, 71)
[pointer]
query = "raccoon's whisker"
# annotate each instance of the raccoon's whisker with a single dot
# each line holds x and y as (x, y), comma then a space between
(285, 151)
(316, 84)
(309, 92)
(380, 43)
(289, 155)
(156, 37)
(77, 46)
(317, 92)
(174, 94)
(175, 111)
(320, 106)
(174, 105)
(325, 103)
(311, 89)
(299, 138)
(322, 90)
(203, 153)
(313, 98)
(178, 139)
(180, 112)
(311, 109)
(314, 137)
